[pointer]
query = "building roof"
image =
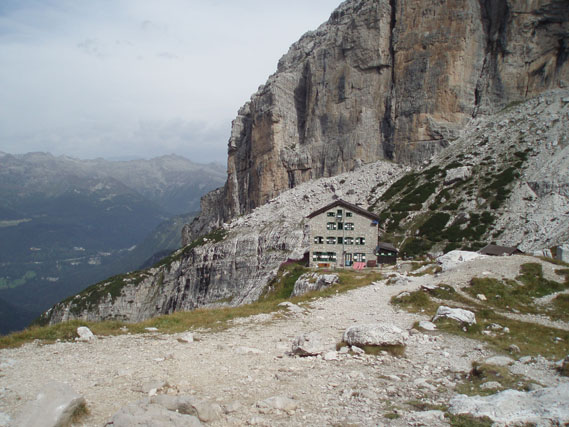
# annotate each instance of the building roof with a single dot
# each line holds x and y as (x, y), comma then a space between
(387, 246)
(346, 205)
(496, 250)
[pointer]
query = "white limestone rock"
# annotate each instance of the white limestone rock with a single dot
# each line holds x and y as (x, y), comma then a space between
(458, 314)
(293, 308)
(313, 282)
(4, 419)
(277, 402)
(500, 361)
(375, 334)
(453, 259)
(55, 406)
(187, 337)
(310, 344)
(85, 334)
(461, 173)
(427, 326)
(144, 413)
(547, 406)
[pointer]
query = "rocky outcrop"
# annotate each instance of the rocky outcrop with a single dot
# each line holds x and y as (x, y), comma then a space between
(389, 79)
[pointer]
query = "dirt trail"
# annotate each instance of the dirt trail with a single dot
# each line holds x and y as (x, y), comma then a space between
(248, 363)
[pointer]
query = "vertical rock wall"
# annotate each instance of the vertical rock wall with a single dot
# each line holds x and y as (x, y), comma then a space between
(387, 79)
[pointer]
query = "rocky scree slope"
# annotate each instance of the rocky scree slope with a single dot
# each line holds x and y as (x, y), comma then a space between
(249, 365)
(506, 179)
(475, 189)
(386, 79)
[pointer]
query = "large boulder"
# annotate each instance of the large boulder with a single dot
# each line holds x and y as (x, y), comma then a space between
(310, 344)
(313, 282)
(55, 406)
(453, 259)
(375, 334)
(547, 406)
(458, 314)
(145, 413)
(189, 405)
(85, 334)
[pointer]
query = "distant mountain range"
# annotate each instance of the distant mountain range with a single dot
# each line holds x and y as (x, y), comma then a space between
(65, 223)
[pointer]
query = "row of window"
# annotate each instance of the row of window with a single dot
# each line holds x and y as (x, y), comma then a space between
(339, 226)
(332, 257)
(330, 240)
(338, 214)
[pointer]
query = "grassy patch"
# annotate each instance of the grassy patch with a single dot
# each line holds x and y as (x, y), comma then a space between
(204, 318)
(482, 373)
(391, 415)
(464, 420)
(282, 285)
(398, 186)
(532, 339)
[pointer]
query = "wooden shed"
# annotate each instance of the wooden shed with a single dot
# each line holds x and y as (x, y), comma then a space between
(495, 250)
(386, 253)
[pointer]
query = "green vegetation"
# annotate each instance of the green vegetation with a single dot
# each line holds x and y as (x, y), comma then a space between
(482, 373)
(463, 420)
(519, 294)
(5, 283)
(203, 318)
(214, 236)
(409, 180)
(532, 339)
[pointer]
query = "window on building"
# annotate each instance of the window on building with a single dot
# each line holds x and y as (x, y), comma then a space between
(348, 240)
(340, 240)
(360, 257)
(331, 240)
(331, 226)
(348, 214)
(332, 214)
(360, 240)
(349, 226)
(318, 240)
(324, 256)
(340, 226)
(339, 213)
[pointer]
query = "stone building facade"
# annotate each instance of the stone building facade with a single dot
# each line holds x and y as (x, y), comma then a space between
(342, 234)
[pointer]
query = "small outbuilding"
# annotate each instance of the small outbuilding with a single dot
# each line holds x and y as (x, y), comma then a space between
(386, 253)
(495, 250)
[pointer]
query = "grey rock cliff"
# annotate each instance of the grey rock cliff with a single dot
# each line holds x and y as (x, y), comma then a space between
(388, 79)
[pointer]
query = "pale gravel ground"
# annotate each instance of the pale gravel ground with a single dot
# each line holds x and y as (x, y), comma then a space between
(222, 367)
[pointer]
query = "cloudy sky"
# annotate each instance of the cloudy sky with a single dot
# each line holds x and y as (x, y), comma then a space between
(138, 78)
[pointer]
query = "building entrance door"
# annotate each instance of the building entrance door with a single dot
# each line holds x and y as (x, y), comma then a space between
(348, 260)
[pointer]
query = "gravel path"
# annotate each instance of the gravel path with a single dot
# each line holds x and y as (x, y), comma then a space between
(249, 362)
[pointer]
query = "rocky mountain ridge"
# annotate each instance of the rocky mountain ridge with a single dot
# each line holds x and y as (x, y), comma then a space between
(233, 264)
(172, 182)
(393, 80)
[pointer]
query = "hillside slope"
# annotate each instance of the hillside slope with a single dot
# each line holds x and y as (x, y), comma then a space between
(488, 172)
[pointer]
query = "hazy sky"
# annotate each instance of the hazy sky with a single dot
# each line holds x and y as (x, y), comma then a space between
(125, 78)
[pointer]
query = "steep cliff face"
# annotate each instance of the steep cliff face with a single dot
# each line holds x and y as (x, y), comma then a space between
(388, 79)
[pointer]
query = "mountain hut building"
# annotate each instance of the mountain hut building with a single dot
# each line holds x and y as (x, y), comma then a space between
(343, 235)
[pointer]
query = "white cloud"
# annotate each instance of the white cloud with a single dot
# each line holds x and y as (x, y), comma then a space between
(138, 77)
